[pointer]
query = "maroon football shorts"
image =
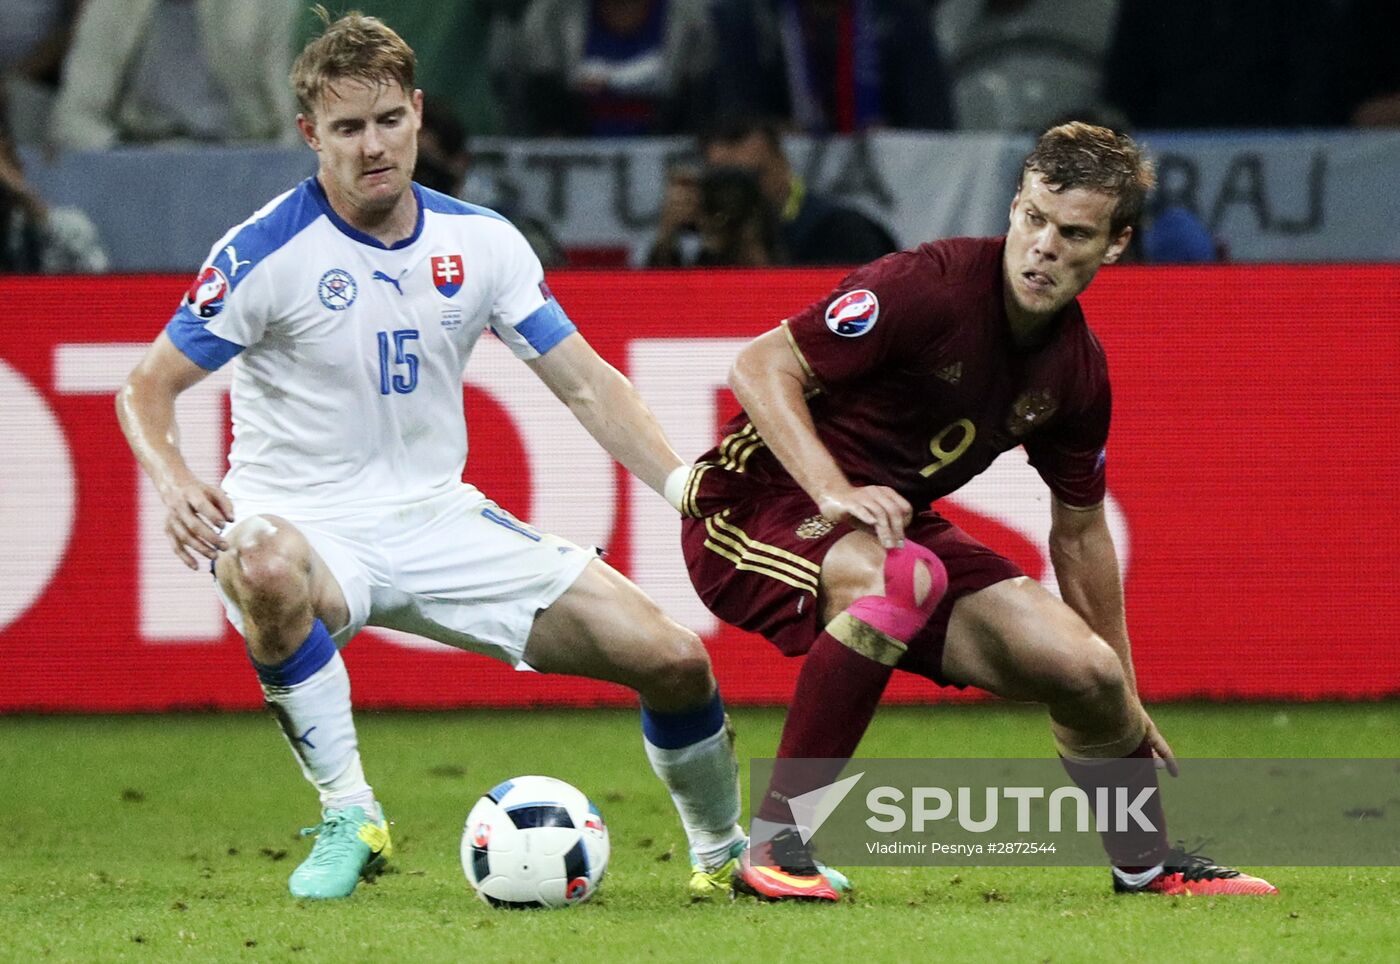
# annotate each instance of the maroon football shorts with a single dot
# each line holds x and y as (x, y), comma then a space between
(757, 564)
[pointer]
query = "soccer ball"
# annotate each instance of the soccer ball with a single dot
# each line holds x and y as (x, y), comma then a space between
(534, 842)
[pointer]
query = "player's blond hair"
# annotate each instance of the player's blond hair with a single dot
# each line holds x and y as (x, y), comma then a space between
(356, 47)
(1084, 155)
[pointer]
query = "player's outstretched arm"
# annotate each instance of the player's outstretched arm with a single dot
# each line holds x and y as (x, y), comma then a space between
(1086, 568)
(146, 410)
(771, 384)
(607, 405)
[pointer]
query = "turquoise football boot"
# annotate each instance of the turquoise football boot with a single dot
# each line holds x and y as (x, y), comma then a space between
(349, 845)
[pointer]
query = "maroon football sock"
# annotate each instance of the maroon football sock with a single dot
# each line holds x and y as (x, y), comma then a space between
(839, 687)
(835, 700)
(1135, 849)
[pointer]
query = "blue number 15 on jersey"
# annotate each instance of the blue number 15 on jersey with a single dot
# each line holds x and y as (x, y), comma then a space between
(389, 378)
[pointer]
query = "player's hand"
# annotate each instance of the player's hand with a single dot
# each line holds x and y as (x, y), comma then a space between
(876, 509)
(1165, 758)
(197, 516)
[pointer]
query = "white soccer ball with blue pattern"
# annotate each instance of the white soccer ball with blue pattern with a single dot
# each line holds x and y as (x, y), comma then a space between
(535, 842)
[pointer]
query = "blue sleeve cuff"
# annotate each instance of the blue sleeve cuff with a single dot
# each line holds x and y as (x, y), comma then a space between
(200, 345)
(546, 327)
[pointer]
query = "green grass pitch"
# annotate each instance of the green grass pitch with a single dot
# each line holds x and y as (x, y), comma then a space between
(170, 838)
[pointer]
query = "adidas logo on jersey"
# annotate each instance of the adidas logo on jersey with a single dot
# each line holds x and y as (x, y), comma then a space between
(952, 374)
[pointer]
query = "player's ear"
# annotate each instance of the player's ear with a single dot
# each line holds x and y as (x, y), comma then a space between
(307, 127)
(418, 103)
(1118, 245)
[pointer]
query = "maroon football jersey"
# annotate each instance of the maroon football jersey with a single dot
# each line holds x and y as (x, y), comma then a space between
(921, 386)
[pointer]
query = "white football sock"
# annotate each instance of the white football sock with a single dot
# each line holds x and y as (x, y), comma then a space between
(316, 719)
(703, 779)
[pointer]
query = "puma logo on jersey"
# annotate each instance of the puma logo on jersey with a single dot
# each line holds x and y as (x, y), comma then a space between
(233, 263)
(381, 276)
(952, 374)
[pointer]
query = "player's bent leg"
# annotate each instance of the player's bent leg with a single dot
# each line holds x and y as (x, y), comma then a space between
(604, 627)
(274, 576)
(1018, 641)
(873, 602)
(286, 595)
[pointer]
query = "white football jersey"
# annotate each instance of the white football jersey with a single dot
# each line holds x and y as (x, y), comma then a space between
(347, 386)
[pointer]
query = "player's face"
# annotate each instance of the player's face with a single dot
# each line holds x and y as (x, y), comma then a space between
(366, 136)
(1056, 244)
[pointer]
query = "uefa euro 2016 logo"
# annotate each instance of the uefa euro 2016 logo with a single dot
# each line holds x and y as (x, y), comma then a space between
(854, 313)
(206, 294)
(337, 289)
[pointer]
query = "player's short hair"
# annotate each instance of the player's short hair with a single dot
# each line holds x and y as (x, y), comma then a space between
(354, 46)
(1083, 155)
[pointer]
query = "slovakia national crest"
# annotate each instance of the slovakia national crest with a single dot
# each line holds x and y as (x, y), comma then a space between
(207, 292)
(337, 289)
(854, 313)
(447, 273)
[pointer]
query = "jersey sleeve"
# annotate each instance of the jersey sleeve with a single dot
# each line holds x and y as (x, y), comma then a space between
(524, 312)
(872, 318)
(223, 311)
(1071, 455)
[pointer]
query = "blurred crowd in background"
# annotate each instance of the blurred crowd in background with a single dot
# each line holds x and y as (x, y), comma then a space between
(83, 75)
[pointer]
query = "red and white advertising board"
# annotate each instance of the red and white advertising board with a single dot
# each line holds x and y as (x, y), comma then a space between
(1253, 471)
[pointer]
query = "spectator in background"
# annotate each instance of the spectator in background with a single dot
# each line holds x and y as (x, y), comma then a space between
(1018, 65)
(1245, 63)
(615, 68)
(737, 225)
(34, 237)
(445, 160)
(33, 43)
(716, 217)
(677, 241)
(156, 70)
(832, 65)
(812, 228)
(1175, 235)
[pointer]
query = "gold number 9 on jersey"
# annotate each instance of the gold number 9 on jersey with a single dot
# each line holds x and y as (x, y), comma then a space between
(947, 456)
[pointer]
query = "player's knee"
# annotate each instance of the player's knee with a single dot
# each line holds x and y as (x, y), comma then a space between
(1092, 675)
(914, 577)
(684, 673)
(265, 564)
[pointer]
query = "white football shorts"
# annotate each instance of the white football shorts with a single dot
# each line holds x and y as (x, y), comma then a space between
(456, 568)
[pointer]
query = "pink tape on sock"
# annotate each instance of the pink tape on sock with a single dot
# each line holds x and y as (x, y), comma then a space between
(897, 613)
